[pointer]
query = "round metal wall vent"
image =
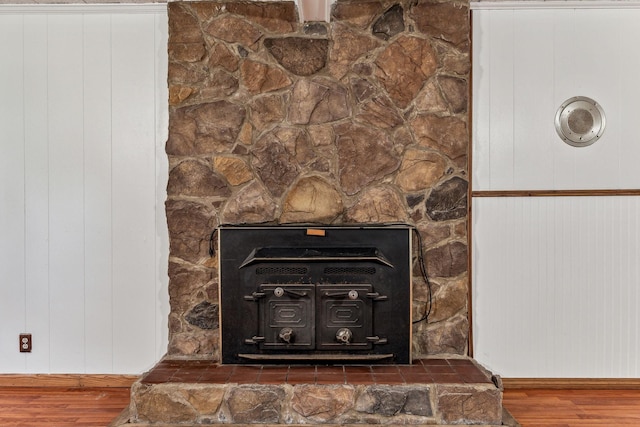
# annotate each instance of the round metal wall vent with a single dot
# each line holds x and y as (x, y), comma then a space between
(580, 121)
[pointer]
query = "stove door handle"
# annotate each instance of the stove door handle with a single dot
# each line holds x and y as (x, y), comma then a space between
(344, 294)
(297, 294)
(351, 294)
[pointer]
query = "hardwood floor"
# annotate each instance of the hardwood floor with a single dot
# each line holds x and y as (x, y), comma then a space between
(67, 407)
(61, 407)
(574, 408)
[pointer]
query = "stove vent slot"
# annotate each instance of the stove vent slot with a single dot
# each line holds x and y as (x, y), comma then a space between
(349, 270)
(282, 270)
(329, 254)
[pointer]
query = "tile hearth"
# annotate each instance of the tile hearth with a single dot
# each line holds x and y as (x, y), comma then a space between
(423, 371)
(435, 391)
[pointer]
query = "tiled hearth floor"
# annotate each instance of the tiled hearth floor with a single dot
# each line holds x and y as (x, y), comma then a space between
(443, 371)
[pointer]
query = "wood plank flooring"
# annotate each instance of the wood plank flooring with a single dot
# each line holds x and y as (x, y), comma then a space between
(574, 408)
(61, 407)
(73, 407)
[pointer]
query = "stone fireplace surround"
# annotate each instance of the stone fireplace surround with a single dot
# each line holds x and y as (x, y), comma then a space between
(361, 120)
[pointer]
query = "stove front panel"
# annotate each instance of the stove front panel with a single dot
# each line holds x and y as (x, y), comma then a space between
(337, 295)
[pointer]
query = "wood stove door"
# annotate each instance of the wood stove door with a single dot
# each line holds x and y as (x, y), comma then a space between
(287, 317)
(345, 316)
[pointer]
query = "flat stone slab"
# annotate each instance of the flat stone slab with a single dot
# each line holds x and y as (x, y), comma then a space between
(430, 391)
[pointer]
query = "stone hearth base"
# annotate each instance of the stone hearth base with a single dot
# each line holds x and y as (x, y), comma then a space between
(430, 391)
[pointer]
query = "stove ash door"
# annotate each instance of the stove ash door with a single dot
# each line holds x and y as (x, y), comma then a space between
(287, 317)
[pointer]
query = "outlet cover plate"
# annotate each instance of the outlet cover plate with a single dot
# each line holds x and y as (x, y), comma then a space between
(25, 343)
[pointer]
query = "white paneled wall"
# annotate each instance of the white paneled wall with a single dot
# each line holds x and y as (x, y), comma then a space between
(526, 63)
(557, 286)
(556, 280)
(83, 252)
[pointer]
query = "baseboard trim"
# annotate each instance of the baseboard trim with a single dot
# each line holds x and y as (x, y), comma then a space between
(125, 381)
(572, 383)
(67, 380)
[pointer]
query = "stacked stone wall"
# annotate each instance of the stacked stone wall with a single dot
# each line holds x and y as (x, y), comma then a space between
(305, 404)
(360, 120)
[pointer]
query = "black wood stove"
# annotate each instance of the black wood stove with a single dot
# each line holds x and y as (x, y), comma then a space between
(294, 294)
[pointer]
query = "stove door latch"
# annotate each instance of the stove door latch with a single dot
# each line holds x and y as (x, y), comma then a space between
(254, 340)
(255, 296)
(376, 296)
(377, 340)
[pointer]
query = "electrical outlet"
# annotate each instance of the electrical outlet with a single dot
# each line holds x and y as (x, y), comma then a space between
(25, 343)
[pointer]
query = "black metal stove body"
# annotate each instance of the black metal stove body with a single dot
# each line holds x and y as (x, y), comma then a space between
(299, 294)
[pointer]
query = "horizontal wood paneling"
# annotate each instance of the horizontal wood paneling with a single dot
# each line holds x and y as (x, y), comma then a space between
(83, 100)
